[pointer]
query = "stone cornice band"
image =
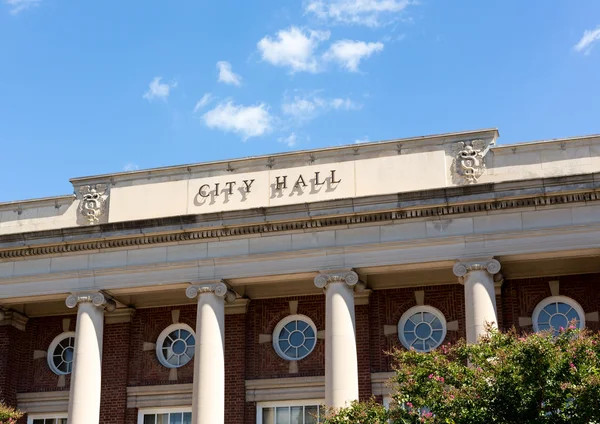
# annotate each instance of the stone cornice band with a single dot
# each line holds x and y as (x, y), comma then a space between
(185, 235)
(95, 298)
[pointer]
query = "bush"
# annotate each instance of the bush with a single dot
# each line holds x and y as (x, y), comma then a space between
(507, 378)
(9, 415)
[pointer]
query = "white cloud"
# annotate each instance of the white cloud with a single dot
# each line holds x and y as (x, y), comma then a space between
(293, 48)
(226, 75)
(21, 5)
(157, 90)
(371, 13)
(204, 100)
(349, 53)
(365, 139)
(590, 37)
(307, 107)
(290, 140)
(247, 121)
(130, 167)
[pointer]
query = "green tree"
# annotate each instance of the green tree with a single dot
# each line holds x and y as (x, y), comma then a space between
(540, 378)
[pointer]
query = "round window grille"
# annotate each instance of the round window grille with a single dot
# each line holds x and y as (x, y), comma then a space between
(61, 353)
(556, 312)
(295, 337)
(175, 345)
(422, 328)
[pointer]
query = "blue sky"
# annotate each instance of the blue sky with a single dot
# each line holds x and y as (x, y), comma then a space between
(91, 87)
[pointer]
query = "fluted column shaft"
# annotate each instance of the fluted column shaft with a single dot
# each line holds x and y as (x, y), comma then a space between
(86, 375)
(480, 297)
(208, 401)
(341, 362)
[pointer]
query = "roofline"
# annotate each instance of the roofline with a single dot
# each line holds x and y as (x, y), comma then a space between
(157, 171)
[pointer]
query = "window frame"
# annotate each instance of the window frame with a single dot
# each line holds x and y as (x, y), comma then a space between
(554, 299)
(50, 416)
(417, 309)
(161, 410)
(281, 325)
(161, 340)
(53, 345)
(278, 403)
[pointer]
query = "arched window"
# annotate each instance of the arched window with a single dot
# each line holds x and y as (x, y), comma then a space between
(556, 312)
(422, 328)
(175, 345)
(295, 337)
(61, 353)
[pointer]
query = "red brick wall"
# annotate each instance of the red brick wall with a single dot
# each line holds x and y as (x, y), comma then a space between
(115, 365)
(263, 315)
(13, 345)
(520, 297)
(37, 376)
(146, 326)
(387, 306)
(235, 363)
(363, 351)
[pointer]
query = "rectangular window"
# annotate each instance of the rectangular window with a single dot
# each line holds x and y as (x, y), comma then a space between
(300, 412)
(47, 419)
(165, 416)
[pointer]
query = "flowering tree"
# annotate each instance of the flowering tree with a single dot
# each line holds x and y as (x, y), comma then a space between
(9, 415)
(505, 378)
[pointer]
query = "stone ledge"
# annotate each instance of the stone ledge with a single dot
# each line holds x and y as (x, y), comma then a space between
(37, 402)
(159, 396)
(380, 383)
(296, 388)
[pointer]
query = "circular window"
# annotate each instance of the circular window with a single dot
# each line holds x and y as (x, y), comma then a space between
(557, 312)
(60, 353)
(422, 328)
(295, 337)
(175, 345)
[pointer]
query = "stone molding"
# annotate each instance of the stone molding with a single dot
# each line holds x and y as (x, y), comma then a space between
(220, 289)
(159, 396)
(381, 384)
(44, 402)
(416, 207)
(294, 388)
(462, 268)
(95, 298)
(14, 318)
(119, 316)
(237, 307)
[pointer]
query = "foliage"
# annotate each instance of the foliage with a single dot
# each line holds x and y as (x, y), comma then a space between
(369, 412)
(540, 378)
(9, 415)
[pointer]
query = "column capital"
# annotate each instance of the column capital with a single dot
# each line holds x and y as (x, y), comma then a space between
(220, 289)
(348, 277)
(95, 298)
(462, 268)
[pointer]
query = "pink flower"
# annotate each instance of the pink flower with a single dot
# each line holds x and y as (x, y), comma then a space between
(430, 376)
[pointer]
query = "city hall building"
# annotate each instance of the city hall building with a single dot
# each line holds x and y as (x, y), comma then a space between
(256, 290)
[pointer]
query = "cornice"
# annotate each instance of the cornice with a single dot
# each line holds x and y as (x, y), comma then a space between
(432, 204)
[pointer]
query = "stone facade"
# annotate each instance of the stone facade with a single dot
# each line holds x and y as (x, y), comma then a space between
(349, 242)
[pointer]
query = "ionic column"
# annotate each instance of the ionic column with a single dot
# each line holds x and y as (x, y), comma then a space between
(208, 402)
(480, 297)
(341, 364)
(84, 395)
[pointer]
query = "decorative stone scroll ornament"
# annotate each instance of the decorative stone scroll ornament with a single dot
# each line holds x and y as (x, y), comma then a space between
(93, 202)
(220, 289)
(348, 277)
(95, 298)
(461, 269)
(468, 164)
